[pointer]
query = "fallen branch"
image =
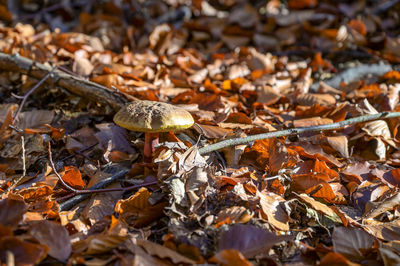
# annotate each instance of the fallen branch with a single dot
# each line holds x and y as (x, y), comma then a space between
(82, 194)
(73, 84)
(25, 97)
(103, 183)
(354, 74)
(295, 131)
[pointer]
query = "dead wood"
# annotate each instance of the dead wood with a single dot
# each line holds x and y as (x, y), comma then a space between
(73, 84)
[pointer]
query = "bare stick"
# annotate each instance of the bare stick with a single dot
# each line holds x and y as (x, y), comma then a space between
(96, 188)
(294, 131)
(83, 194)
(88, 191)
(78, 152)
(73, 84)
(23, 156)
(25, 97)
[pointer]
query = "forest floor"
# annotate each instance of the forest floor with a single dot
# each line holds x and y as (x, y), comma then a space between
(73, 185)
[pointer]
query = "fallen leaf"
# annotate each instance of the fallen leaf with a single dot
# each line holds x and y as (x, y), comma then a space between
(351, 242)
(249, 240)
(12, 211)
(270, 206)
(163, 252)
(54, 236)
(318, 206)
(235, 214)
(336, 259)
(231, 257)
(137, 211)
(385, 231)
(72, 176)
(25, 253)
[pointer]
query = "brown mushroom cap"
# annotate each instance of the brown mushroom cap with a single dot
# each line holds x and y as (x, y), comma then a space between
(149, 116)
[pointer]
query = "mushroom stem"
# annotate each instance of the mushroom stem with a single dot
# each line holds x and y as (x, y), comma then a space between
(150, 141)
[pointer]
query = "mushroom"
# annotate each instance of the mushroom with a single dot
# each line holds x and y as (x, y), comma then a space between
(151, 118)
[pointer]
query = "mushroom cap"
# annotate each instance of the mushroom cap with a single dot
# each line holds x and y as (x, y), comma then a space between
(149, 116)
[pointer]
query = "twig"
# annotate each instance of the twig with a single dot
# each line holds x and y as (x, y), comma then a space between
(78, 152)
(87, 191)
(315, 190)
(73, 84)
(294, 131)
(23, 156)
(10, 258)
(83, 194)
(25, 97)
(105, 182)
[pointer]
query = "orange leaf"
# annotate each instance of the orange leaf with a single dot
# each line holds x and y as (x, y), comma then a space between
(359, 26)
(301, 4)
(316, 166)
(336, 259)
(231, 257)
(312, 151)
(56, 133)
(137, 211)
(258, 153)
(393, 76)
(315, 184)
(73, 177)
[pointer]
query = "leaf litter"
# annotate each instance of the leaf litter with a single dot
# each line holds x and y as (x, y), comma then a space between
(240, 69)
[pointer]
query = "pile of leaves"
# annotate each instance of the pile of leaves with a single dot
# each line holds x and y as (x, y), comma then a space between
(240, 69)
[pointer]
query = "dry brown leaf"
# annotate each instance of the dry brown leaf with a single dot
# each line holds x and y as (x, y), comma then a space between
(333, 258)
(235, 214)
(351, 242)
(268, 95)
(137, 211)
(385, 231)
(163, 252)
(230, 257)
(212, 132)
(12, 211)
(310, 99)
(318, 206)
(340, 144)
(54, 236)
(98, 244)
(25, 253)
(275, 214)
(101, 205)
(82, 66)
(311, 121)
(249, 240)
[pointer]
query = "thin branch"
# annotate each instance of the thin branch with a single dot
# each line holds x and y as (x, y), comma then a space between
(25, 97)
(23, 156)
(65, 185)
(83, 194)
(295, 131)
(353, 74)
(87, 191)
(96, 188)
(80, 152)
